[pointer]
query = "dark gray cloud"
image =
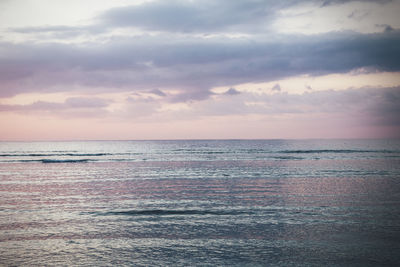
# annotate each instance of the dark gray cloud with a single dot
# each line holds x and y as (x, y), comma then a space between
(232, 91)
(276, 87)
(157, 92)
(335, 2)
(194, 65)
(386, 27)
(191, 96)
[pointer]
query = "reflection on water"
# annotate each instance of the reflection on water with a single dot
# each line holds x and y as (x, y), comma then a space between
(221, 212)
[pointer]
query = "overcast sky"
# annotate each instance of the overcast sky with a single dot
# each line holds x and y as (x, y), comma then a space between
(208, 69)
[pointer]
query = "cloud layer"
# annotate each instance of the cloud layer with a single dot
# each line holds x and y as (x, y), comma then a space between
(375, 105)
(192, 65)
(163, 60)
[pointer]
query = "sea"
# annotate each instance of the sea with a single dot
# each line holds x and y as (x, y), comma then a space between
(200, 203)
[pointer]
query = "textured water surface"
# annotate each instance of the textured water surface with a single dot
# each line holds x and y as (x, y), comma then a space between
(188, 203)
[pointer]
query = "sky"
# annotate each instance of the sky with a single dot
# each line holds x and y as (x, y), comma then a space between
(199, 69)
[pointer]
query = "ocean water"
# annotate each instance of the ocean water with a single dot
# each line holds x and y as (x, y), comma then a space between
(200, 203)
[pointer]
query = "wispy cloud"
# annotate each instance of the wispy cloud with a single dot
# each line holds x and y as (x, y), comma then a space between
(71, 107)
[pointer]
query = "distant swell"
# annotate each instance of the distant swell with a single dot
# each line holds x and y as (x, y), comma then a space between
(64, 160)
(288, 158)
(344, 151)
(157, 212)
(55, 154)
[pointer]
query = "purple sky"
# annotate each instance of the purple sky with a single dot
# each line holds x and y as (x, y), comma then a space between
(180, 69)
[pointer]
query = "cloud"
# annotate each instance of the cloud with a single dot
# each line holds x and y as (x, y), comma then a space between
(386, 27)
(232, 91)
(185, 54)
(62, 32)
(335, 2)
(191, 96)
(372, 106)
(276, 87)
(46, 29)
(71, 107)
(207, 16)
(193, 16)
(366, 106)
(85, 102)
(187, 63)
(157, 92)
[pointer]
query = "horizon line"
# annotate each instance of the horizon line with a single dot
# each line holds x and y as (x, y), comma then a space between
(201, 139)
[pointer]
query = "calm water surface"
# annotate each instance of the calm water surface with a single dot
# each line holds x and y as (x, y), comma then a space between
(208, 203)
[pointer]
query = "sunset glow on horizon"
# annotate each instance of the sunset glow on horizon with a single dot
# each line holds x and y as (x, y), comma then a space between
(260, 69)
